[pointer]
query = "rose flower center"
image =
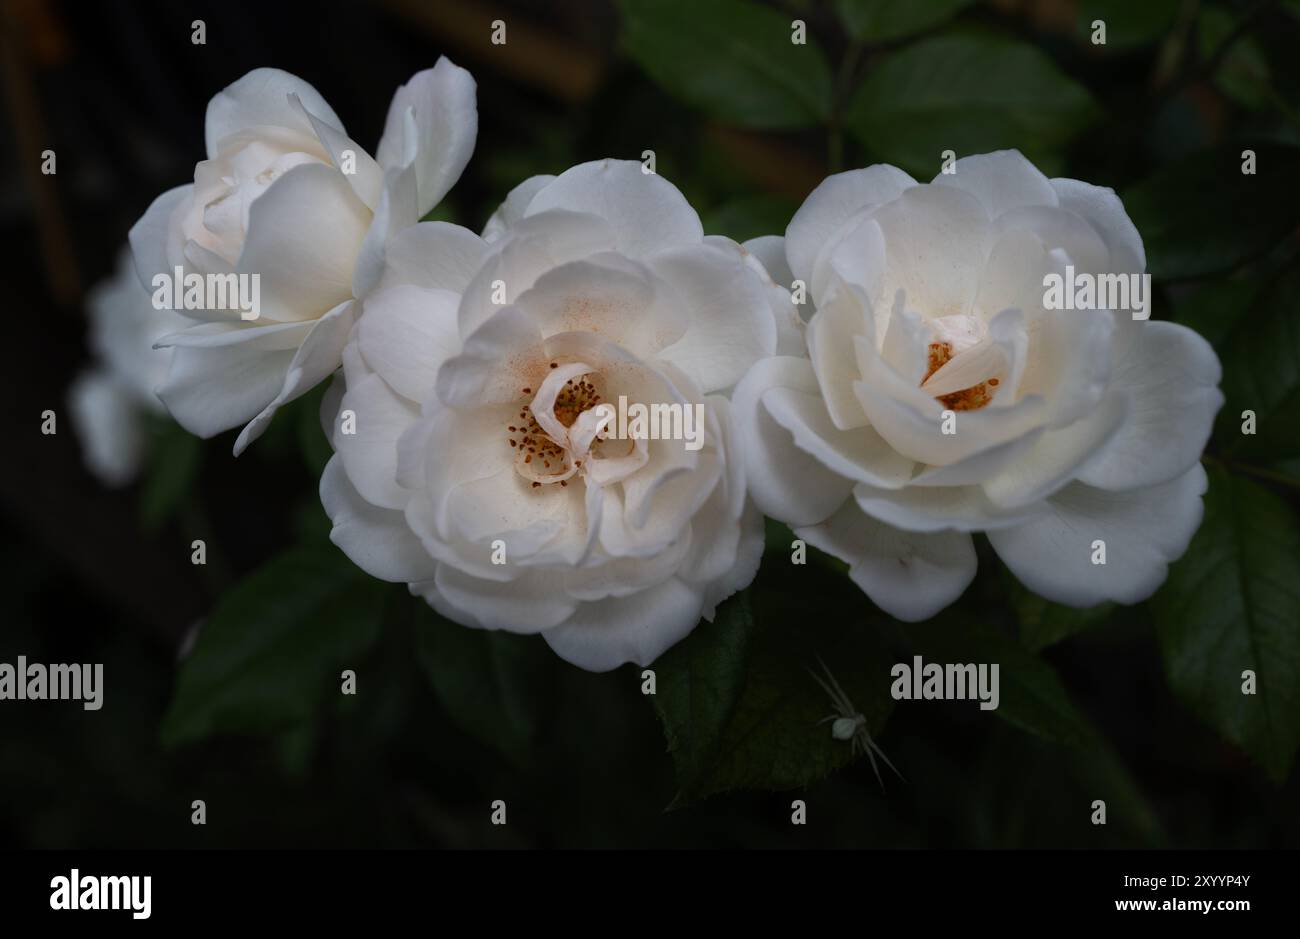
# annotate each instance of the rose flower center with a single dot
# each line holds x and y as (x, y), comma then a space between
(964, 366)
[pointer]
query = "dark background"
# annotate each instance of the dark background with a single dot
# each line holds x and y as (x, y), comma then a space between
(119, 91)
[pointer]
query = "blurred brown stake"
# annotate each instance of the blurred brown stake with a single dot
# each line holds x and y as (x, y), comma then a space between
(24, 30)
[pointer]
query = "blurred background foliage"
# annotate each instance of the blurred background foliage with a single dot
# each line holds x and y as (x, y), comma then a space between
(1140, 706)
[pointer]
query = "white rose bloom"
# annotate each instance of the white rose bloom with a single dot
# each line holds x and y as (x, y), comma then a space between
(285, 194)
(1071, 426)
(478, 473)
(108, 402)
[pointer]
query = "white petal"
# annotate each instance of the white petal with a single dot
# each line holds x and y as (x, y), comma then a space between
(406, 333)
(513, 208)
(534, 246)
(730, 321)
(831, 334)
(859, 454)
(303, 238)
(433, 254)
(646, 212)
(1144, 530)
(432, 124)
(527, 604)
(1105, 212)
(1170, 375)
(107, 419)
(156, 246)
(835, 200)
(1002, 181)
(770, 252)
(222, 375)
(607, 295)
(1058, 456)
(786, 482)
(359, 168)
(497, 362)
(909, 575)
(936, 508)
(766, 255)
(603, 635)
(936, 240)
(317, 358)
(377, 540)
(370, 454)
(262, 97)
(395, 213)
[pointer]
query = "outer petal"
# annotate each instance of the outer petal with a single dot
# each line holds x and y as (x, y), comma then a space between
(222, 377)
(1170, 376)
(154, 247)
(786, 483)
(1105, 212)
(406, 334)
(1002, 181)
(432, 124)
(303, 238)
(395, 212)
(766, 255)
(263, 97)
(1144, 530)
(365, 175)
(106, 417)
(909, 575)
(730, 324)
(433, 254)
(370, 454)
(527, 604)
(835, 200)
(647, 213)
(320, 354)
(377, 540)
(513, 208)
(603, 635)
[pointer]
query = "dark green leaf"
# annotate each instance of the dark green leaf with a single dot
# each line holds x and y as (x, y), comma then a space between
(1203, 215)
(174, 461)
(1261, 373)
(1044, 623)
(274, 645)
(1243, 73)
(492, 684)
(968, 94)
(738, 700)
(882, 20)
(1233, 603)
(1128, 23)
(1031, 695)
(732, 59)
